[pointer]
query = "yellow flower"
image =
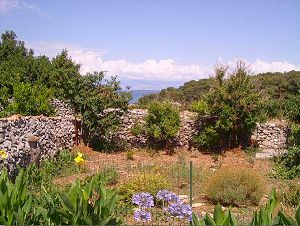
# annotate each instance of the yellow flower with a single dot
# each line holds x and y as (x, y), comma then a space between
(3, 154)
(79, 160)
(80, 154)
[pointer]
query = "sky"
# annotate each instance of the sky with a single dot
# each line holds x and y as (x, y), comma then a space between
(154, 44)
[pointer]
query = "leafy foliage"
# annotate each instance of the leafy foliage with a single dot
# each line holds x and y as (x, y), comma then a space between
(232, 109)
(162, 122)
(220, 217)
(235, 186)
(29, 83)
(288, 165)
(15, 203)
(268, 215)
(91, 204)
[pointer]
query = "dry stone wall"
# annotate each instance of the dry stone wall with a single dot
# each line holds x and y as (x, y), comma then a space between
(51, 133)
(125, 135)
(271, 138)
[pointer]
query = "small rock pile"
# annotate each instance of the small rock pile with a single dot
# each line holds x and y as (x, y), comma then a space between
(271, 139)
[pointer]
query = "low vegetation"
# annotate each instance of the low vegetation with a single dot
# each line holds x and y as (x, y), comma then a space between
(235, 186)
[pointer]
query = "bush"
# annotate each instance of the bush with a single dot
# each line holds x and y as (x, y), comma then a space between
(235, 186)
(288, 165)
(142, 182)
(137, 129)
(294, 135)
(31, 99)
(233, 110)
(290, 194)
(292, 108)
(162, 122)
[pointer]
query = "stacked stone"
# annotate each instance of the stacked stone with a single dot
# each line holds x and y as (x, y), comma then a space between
(271, 139)
(53, 133)
(62, 109)
(124, 134)
(188, 128)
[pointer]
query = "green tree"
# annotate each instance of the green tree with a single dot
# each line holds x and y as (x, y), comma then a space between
(232, 107)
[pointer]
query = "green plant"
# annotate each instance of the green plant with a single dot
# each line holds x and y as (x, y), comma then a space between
(200, 107)
(207, 138)
(162, 122)
(220, 217)
(129, 155)
(232, 110)
(143, 182)
(288, 165)
(137, 129)
(235, 186)
(290, 194)
(62, 165)
(294, 135)
(108, 176)
(267, 215)
(292, 107)
(91, 204)
(15, 203)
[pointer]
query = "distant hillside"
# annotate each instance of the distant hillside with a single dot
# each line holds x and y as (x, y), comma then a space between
(137, 94)
(272, 86)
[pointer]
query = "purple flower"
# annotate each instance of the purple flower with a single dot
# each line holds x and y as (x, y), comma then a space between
(143, 199)
(167, 196)
(180, 210)
(140, 215)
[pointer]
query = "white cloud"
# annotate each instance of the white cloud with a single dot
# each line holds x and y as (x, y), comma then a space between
(275, 66)
(13, 5)
(151, 69)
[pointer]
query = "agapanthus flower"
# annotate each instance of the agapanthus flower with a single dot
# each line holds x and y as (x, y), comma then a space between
(167, 196)
(143, 199)
(180, 210)
(140, 215)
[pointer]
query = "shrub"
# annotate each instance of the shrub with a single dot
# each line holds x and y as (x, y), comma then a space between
(200, 107)
(137, 129)
(290, 194)
(235, 186)
(288, 165)
(292, 108)
(162, 122)
(31, 99)
(143, 182)
(294, 135)
(232, 108)
(129, 155)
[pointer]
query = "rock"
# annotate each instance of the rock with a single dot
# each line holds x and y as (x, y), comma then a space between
(195, 205)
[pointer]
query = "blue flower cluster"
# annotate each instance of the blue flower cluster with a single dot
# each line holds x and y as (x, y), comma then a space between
(143, 199)
(175, 207)
(167, 196)
(180, 210)
(141, 215)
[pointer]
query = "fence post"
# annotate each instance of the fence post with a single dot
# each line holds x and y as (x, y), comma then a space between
(191, 185)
